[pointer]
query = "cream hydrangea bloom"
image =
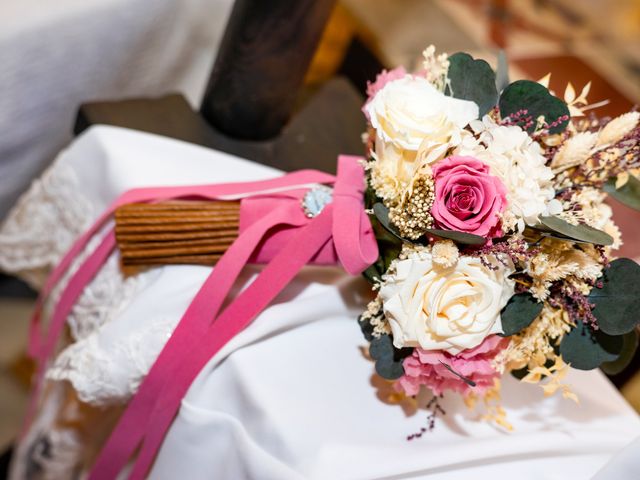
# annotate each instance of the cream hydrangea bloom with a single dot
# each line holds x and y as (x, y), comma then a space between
(518, 162)
(450, 309)
(415, 125)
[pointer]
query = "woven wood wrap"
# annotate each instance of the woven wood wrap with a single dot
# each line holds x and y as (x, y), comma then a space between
(176, 232)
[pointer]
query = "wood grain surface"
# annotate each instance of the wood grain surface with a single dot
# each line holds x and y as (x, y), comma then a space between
(176, 232)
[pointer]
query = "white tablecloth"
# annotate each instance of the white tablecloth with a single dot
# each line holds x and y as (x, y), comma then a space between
(54, 55)
(292, 397)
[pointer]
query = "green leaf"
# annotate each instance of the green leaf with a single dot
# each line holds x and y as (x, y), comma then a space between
(459, 237)
(629, 346)
(388, 238)
(502, 72)
(618, 301)
(366, 328)
(536, 99)
(520, 311)
(388, 359)
(628, 194)
(582, 233)
(585, 349)
(472, 80)
(381, 212)
(389, 247)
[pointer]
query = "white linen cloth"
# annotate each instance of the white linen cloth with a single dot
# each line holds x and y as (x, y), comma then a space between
(292, 397)
(55, 55)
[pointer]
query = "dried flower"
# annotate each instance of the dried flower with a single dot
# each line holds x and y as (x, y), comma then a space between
(618, 128)
(436, 67)
(574, 151)
(445, 253)
(413, 215)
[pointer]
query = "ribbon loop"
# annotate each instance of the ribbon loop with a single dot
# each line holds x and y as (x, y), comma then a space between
(353, 236)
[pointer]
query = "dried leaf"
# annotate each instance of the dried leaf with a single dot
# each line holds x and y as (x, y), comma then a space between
(617, 128)
(585, 91)
(544, 81)
(568, 394)
(583, 94)
(550, 388)
(569, 93)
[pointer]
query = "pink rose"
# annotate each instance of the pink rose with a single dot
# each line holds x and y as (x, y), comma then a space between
(381, 80)
(468, 199)
(425, 367)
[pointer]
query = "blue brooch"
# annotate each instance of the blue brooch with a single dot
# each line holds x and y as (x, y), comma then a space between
(316, 199)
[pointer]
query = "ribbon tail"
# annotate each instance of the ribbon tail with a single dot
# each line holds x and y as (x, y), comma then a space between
(193, 325)
(72, 291)
(237, 316)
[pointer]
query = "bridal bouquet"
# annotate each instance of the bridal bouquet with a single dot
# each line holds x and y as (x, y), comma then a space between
(496, 245)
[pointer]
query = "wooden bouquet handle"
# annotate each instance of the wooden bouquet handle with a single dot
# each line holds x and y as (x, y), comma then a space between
(176, 232)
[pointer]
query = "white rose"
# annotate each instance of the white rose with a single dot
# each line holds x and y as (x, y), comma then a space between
(415, 124)
(450, 309)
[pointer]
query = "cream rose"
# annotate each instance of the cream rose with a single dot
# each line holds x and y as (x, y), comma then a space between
(415, 124)
(450, 309)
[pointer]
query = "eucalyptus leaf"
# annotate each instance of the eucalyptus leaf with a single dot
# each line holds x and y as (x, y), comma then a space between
(520, 311)
(473, 80)
(502, 71)
(388, 358)
(381, 213)
(617, 303)
(459, 237)
(381, 347)
(585, 349)
(581, 233)
(536, 99)
(628, 194)
(373, 273)
(389, 370)
(629, 347)
(389, 244)
(366, 328)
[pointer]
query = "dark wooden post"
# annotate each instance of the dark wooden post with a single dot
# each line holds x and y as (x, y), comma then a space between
(264, 55)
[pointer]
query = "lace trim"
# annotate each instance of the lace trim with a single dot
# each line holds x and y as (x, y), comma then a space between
(104, 299)
(43, 224)
(110, 376)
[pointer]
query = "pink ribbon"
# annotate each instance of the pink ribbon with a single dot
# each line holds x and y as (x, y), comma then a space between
(282, 231)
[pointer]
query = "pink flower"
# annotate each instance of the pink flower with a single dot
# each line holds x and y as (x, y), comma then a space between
(468, 199)
(381, 80)
(424, 367)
